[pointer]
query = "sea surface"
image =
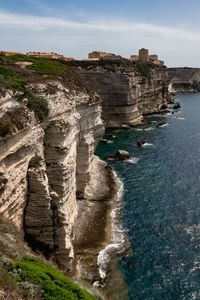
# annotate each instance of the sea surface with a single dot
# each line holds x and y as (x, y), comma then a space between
(161, 205)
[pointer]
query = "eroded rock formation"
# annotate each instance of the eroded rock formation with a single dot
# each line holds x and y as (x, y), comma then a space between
(44, 166)
(127, 93)
(184, 80)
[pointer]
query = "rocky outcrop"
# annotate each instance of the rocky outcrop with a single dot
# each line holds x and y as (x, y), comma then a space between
(184, 80)
(45, 166)
(126, 92)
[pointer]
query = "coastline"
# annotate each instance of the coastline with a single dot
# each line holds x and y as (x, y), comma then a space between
(99, 219)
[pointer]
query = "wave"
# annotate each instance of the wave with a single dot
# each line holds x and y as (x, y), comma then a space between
(133, 160)
(163, 125)
(148, 128)
(118, 240)
(139, 129)
(179, 118)
(147, 145)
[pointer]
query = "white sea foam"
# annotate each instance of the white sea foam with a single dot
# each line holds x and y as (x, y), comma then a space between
(133, 160)
(139, 129)
(148, 128)
(147, 145)
(117, 244)
(179, 118)
(164, 125)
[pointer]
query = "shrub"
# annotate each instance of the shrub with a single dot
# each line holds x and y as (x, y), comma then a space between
(53, 283)
(11, 78)
(143, 67)
(35, 161)
(38, 104)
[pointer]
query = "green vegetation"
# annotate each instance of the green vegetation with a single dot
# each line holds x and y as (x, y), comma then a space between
(8, 284)
(11, 79)
(143, 67)
(38, 104)
(16, 58)
(35, 161)
(54, 284)
(49, 67)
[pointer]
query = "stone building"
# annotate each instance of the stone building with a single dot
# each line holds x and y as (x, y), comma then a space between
(153, 57)
(134, 57)
(143, 55)
(97, 55)
(159, 62)
(51, 55)
(44, 54)
(8, 53)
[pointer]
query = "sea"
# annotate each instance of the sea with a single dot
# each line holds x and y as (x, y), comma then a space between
(161, 203)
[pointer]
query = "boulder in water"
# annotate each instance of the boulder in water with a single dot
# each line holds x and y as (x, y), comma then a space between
(122, 155)
(125, 126)
(163, 107)
(177, 105)
(140, 143)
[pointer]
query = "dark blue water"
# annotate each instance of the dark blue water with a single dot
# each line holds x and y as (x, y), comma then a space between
(162, 205)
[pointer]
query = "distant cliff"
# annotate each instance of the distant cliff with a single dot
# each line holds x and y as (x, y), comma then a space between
(184, 80)
(128, 90)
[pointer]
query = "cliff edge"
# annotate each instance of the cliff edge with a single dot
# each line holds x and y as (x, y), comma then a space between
(53, 188)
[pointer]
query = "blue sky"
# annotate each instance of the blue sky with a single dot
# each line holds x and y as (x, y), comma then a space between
(75, 27)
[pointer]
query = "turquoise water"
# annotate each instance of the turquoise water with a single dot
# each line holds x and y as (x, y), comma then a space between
(161, 210)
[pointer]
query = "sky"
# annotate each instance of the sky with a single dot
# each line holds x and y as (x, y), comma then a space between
(169, 28)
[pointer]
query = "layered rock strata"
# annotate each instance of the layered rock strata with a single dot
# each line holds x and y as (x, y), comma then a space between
(127, 94)
(184, 80)
(45, 166)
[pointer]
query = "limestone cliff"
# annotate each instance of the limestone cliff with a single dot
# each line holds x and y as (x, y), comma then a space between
(184, 80)
(128, 90)
(50, 125)
(46, 165)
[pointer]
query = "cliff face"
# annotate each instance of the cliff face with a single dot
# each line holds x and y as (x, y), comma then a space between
(127, 92)
(50, 125)
(184, 80)
(45, 167)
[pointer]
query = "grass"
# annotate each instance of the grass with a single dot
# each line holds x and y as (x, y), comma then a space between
(53, 283)
(38, 104)
(11, 79)
(143, 68)
(50, 67)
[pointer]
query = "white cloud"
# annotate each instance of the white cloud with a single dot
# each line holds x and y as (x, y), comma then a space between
(26, 32)
(40, 23)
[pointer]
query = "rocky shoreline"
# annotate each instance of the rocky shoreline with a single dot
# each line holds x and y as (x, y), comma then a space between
(100, 237)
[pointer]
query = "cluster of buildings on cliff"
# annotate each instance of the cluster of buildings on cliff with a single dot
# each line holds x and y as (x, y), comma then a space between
(51, 55)
(142, 56)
